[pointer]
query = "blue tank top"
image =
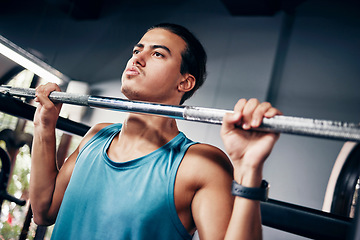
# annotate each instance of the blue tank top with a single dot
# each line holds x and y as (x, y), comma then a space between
(129, 200)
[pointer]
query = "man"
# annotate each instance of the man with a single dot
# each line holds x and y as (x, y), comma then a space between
(144, 179)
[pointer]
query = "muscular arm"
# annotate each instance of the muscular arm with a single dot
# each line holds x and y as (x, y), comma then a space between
(43, 165)
(248, 151)
(212, 203)
(216, 213)
(245, 220)
(219, 215)
(47, 183)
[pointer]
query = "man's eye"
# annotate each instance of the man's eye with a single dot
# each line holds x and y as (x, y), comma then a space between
(157, 54)
(136, 51)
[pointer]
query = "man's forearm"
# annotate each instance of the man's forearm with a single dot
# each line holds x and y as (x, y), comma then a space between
(245, 222)
(43, 171)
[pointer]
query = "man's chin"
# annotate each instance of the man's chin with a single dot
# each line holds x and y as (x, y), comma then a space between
(130, 94)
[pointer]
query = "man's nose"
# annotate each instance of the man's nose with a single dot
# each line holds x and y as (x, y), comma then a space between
(139, 59)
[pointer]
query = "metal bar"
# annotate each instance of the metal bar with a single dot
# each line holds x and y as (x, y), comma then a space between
(18, 108)
(303, 221)
(284, 124)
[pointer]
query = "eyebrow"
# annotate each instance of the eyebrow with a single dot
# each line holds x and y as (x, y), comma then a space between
(140, 45)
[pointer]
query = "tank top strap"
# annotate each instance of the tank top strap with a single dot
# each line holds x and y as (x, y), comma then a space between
(102, 134)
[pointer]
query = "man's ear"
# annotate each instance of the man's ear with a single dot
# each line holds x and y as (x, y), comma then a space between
(187, 83)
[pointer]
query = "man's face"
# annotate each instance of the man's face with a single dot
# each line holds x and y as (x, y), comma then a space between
(153, 72)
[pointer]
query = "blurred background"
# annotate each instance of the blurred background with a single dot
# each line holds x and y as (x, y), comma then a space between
(303, 56)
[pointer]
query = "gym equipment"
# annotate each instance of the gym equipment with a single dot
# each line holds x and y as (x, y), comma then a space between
(4, 178)
(283, 124)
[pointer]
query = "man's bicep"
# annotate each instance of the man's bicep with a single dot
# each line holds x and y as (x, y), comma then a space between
(212, 206)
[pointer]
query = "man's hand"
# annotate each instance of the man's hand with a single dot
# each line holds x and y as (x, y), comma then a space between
(47, 112)
(248, 149)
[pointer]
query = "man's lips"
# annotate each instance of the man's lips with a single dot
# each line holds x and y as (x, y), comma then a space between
(132, 71)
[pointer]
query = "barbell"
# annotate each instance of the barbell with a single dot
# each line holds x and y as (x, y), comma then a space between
(329, 129)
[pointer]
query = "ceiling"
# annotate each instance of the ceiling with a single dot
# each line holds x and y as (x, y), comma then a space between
(95, 9)
(88, 39)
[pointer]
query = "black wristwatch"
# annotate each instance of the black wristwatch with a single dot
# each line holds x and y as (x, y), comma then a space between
(259, 194)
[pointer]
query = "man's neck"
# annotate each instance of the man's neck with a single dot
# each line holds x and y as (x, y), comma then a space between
(149, 127)
(140, 135)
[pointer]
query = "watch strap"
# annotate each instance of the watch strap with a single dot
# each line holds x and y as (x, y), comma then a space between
(259, 194)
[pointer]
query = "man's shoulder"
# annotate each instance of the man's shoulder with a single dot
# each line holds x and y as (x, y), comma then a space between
(206, 151)
(95, 129)
(92, 132)
(208, 159)
(203, 149)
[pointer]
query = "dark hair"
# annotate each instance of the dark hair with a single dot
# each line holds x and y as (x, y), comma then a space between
(193, 57)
